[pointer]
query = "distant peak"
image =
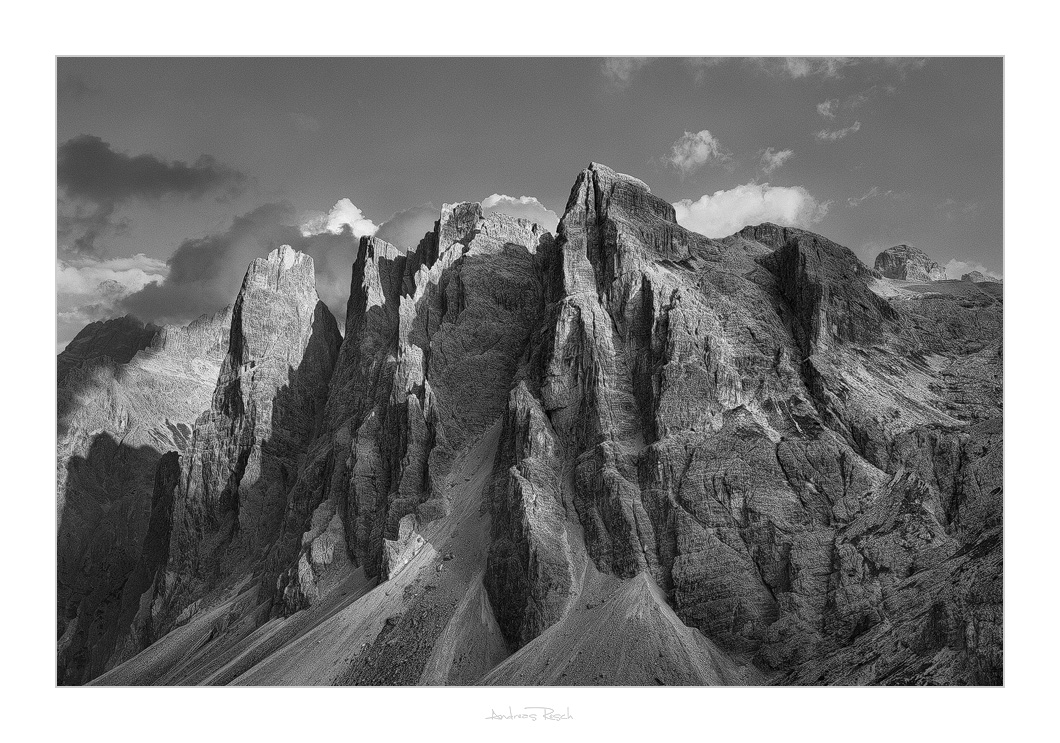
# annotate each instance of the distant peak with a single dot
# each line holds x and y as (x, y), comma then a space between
(907, 263)
(978, 277)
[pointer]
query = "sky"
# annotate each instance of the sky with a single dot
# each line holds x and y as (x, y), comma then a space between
(173, 174)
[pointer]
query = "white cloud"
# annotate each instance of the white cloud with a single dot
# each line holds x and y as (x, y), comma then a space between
(833, 67)
(951, 209)
(89, 289)
(955, 269)
(726, 212)
(526, 207)
(700, 65)
(82, 276)
(872, 193)
(834, 106)
(772, 160)
(798, 67)
(904, 65)
(828, 108)
(831, 135)
(343, 214)
(694, 150)
(620, 70)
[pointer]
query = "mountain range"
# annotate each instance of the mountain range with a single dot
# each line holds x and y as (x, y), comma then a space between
(623, 454)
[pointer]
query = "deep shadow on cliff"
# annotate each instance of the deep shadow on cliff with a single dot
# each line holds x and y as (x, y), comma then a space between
(100, 534)
(629, 455)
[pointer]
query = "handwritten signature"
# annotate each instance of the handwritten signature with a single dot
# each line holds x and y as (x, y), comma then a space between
(531, 713)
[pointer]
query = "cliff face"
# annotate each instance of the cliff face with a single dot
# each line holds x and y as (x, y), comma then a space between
(246, 450)
(116, 340)
(739, 418)
(740, 461)
(433, 342)
(127, 394)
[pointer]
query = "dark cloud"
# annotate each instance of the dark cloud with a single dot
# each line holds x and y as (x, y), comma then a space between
(95, 180)
(90, 169)
(205, 273)
(406, 228)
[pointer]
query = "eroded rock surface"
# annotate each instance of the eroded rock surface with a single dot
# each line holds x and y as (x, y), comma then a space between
(735, 414)
(907, 263)
(119, 412)
(783, 465)
(232, 500)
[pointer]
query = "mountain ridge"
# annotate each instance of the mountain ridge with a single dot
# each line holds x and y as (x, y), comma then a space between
(789, 450)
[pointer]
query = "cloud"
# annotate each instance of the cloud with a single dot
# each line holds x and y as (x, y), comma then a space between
(726, 212)
(833, 106)
(700, 65)
(82, 275)
(903, 65)
(831, 135)
(800, 67)
(205, 273)
(834, 67)
(526, 207)
(951, 209)
(344, 214)
(955, 269)
(406, 228)
(90, 169)
(89, 289)
(692, 151)
(620, 70)
(95, 180)
(872, 193)
(771, 160)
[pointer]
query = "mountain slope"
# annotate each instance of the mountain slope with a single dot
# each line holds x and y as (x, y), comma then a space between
(119, 412)
(625, 454)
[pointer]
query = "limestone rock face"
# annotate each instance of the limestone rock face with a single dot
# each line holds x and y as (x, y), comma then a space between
(246, 450)
(978, 277)
(127, 394)
(732, 415)
(744, 460)
(906, 263)
(433, 342)
(530, 569)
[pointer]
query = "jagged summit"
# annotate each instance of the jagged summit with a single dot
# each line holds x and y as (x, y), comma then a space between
(118, 339)
(733, 460)
(906, 263)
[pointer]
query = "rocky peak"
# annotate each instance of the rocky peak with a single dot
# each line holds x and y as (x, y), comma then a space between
(274, 317)
(267, 404)
(633, 436)
(978, 277)
(117, 340)
(906, 263)
(207, 335)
